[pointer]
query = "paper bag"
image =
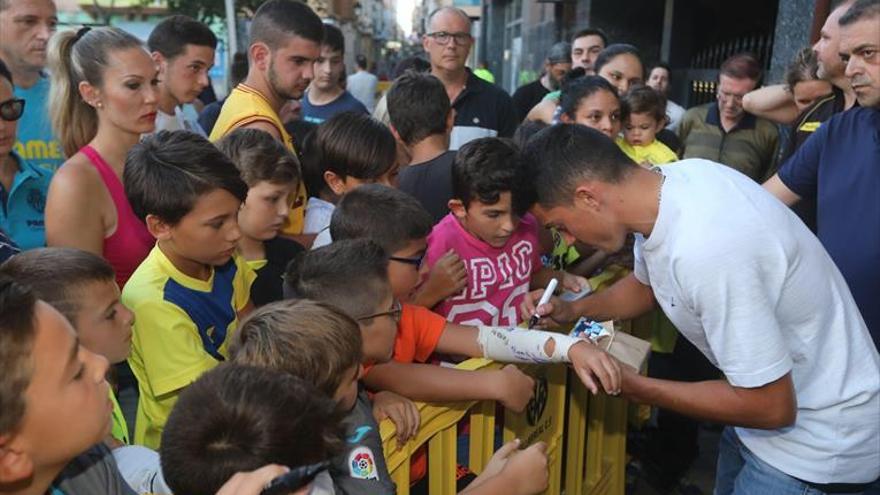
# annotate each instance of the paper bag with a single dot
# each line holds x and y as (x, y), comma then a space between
(627, 349)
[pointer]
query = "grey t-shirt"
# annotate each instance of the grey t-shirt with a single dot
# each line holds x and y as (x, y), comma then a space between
(361, 469)
(93, 471)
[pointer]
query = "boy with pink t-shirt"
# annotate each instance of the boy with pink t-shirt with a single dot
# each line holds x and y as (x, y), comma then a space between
(489, 229)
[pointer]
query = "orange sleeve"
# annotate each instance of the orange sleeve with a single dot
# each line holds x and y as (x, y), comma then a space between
(423, 330)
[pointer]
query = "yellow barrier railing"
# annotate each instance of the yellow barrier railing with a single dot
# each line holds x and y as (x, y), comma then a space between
(590, 444)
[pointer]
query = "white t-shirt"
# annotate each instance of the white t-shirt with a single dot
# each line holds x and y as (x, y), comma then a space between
(744, 280)
(363, 86)
(317, 221)
(177, 122)
(674, 112)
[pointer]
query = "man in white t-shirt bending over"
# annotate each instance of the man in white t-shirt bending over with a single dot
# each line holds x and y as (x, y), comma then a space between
(746, 282)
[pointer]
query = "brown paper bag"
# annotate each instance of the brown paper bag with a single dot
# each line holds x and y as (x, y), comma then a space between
(627, 349)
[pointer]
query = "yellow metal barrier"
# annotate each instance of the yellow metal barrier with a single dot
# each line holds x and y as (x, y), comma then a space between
(542, 421)
(591, 442)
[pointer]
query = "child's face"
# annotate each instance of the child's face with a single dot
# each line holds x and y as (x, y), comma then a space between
(601, 111)
(103, 323)
(328, 69)
(379, 330)
(346, 394)
(208, 234)
(405, 269)
(492, 224)
(69, 380)
(640, 129)
(263, 213)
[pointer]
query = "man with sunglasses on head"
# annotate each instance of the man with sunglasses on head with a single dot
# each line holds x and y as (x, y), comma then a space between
(25, 29)
(23, 185)
(481, 109)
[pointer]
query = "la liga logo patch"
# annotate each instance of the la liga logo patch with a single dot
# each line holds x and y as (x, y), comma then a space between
(362, 464)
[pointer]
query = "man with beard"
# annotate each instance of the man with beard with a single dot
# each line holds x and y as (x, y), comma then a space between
(555, 66)
(838, 167)
(285, 43)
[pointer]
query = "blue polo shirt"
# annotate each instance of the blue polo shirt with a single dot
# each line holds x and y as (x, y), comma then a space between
(23, 206)
(37, 142)
(839, 165)
(317, 114)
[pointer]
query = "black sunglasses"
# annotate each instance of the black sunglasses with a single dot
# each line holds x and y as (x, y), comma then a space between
(11, 110)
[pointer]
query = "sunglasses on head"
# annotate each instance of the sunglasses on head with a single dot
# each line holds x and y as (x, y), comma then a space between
(11, 110)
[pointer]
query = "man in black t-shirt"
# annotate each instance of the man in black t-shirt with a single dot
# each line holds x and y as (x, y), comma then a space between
(558, 62)
(422, 118)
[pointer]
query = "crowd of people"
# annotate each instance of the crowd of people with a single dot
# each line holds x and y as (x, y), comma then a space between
(231, 300)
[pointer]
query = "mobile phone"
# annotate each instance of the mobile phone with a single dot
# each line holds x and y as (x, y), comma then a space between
(294, 479)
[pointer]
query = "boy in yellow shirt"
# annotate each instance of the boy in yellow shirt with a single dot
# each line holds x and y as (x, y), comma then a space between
(188, 294)
(644, 115)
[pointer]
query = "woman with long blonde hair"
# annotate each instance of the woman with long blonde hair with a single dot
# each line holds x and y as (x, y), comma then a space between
(104, 96)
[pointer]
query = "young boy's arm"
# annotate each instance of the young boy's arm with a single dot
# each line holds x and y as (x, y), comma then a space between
(448, 277)
(428, 383)
(515, 472)
(516, 345)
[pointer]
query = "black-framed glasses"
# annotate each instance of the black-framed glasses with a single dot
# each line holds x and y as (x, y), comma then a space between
(11, 110)
(394, 313)
(443, 37)
(415, 260)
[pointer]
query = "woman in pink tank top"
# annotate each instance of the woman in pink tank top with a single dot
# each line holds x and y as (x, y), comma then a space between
(103, 97)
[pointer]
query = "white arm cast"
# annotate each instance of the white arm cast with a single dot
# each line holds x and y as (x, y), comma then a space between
(518, 345)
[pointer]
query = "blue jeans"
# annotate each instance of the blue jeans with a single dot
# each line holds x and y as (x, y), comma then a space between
(740, 472)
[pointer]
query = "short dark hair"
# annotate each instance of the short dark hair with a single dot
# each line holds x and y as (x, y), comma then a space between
(171, 36)
(415, 62)
(361, 61)
(860, 10)
(575, 91)
(56, 275)
(308, 339)
(486, 167)
(277, 20)
(167, 172)
(365, 213)
(4, 73)
(643, 99)
(658, 65)
(526, 130)
(557, 157)
(591, 32)
(333, 38)
(418, 106)
(351, 275)
(239, 418)
(238, 70)
(742, 66)
(613, 51)
(18, 331)
(259, 157)
(349, 144)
